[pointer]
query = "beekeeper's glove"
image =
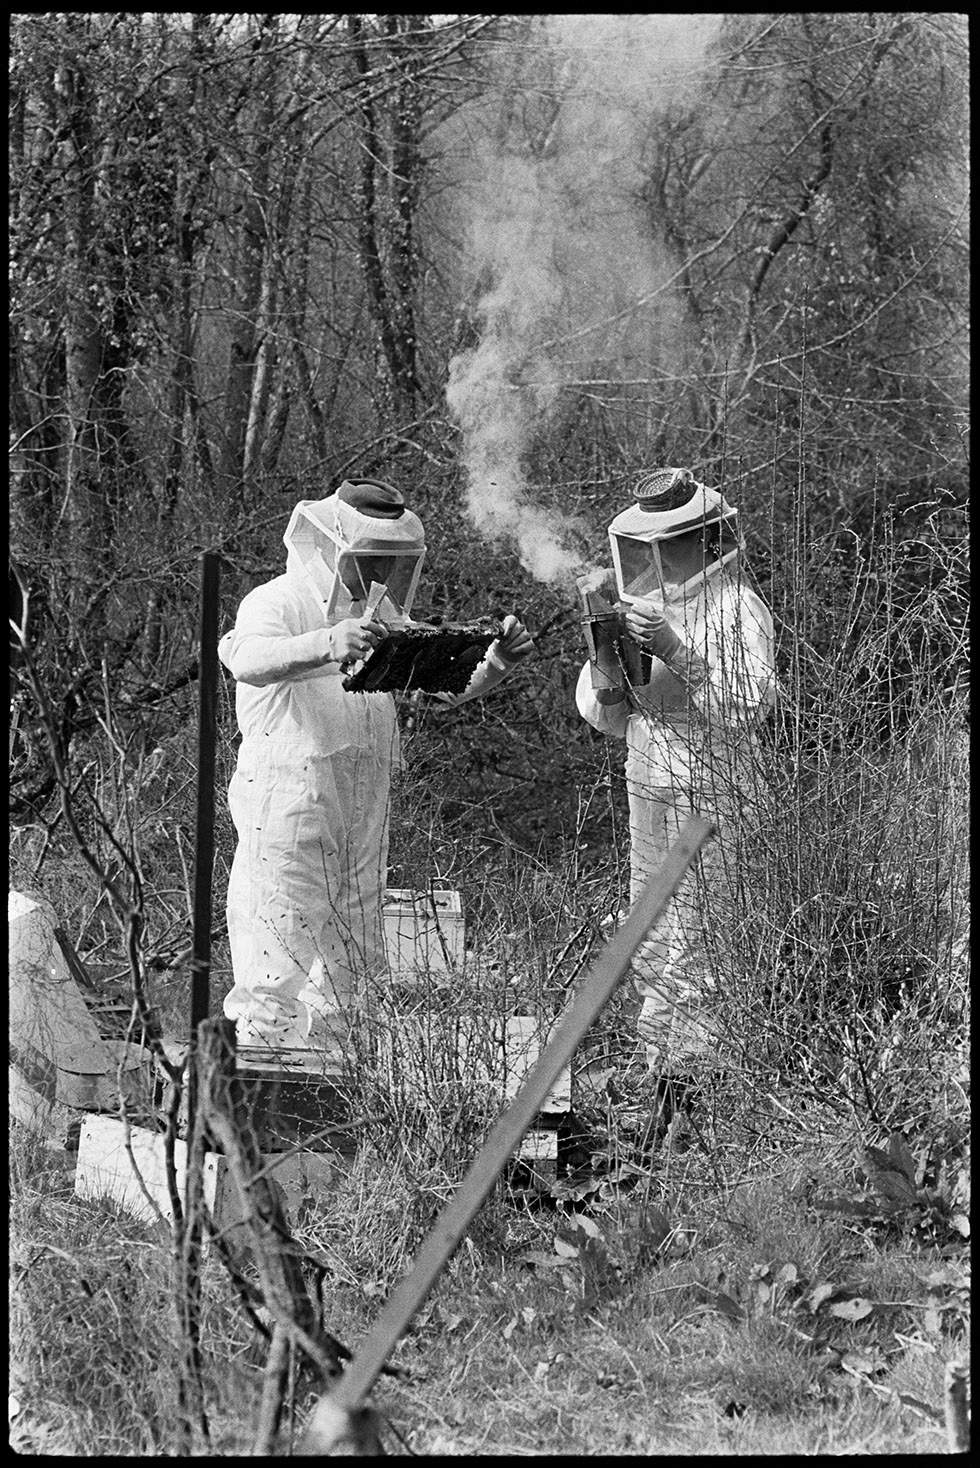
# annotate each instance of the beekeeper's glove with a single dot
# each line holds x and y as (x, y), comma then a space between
(354, 638)
(514, 644)
(648, 626)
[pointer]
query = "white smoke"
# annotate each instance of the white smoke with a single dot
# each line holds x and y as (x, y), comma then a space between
(556, 230)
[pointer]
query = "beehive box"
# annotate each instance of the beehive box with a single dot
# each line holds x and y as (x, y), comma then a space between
(423, 931)
(424, 1053)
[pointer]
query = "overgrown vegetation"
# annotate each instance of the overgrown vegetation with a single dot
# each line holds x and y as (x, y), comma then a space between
(784, 1270)
(213, 317)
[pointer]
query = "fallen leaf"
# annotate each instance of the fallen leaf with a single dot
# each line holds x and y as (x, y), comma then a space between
(727, 1306)
(538, 1259)
(862, 1365)
(565, 1249)
(877, 1158)
(901, 1156)
(857, 1207)
(819, 1295)
(852, 1310)
(587, 1225)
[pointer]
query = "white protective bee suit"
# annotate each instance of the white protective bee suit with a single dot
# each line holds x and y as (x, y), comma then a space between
(309, 796)
(688, 732)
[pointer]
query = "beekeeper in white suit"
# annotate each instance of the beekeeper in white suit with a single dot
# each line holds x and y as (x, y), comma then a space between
(309, 797)
(688, 721)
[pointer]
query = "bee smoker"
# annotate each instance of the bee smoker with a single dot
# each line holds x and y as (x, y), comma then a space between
(617, 662)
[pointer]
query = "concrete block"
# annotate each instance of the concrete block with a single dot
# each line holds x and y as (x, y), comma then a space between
(134, 1177)
(128, 1165)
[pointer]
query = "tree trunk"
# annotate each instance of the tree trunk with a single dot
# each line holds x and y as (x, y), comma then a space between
(250, 272)
(86, 521)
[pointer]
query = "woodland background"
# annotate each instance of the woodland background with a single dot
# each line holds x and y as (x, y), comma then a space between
(509, 262)
(250, 254)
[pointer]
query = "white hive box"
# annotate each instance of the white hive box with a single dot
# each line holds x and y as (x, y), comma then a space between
(443, 1049)
(524, 1042)
(423, 931)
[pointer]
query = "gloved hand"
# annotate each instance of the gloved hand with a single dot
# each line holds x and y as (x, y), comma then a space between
(354, 638)
(514, 644)
(648, 626)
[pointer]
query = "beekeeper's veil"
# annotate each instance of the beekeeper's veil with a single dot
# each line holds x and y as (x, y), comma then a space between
(669, 503)
(362, 535)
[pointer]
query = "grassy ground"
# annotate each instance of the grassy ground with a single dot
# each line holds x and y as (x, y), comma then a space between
(678, 1299)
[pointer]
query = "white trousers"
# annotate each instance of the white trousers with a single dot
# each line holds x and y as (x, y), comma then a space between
(668, 968)
(306, 887)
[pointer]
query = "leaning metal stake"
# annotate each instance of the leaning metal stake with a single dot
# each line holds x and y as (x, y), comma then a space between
(347, 1397)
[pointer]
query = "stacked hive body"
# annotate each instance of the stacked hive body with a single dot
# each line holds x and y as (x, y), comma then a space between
(302, 1109)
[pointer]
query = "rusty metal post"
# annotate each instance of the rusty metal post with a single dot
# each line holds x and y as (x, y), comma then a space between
(348, 1396)
(188, 1229)
(206, 741)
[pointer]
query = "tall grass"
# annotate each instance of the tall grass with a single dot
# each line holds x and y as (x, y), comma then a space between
(839, 940)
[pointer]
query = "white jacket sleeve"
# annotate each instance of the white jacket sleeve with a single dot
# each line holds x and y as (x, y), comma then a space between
(263, 660)
(740, 686)
(492, 669)
(262, 649)
(608, 718)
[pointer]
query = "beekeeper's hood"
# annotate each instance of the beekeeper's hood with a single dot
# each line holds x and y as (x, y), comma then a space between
(362, 535)
(669, 503)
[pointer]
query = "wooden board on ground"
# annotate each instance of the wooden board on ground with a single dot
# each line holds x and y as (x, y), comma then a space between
(127, 1165)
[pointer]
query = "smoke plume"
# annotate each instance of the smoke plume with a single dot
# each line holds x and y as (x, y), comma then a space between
(571, 274)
